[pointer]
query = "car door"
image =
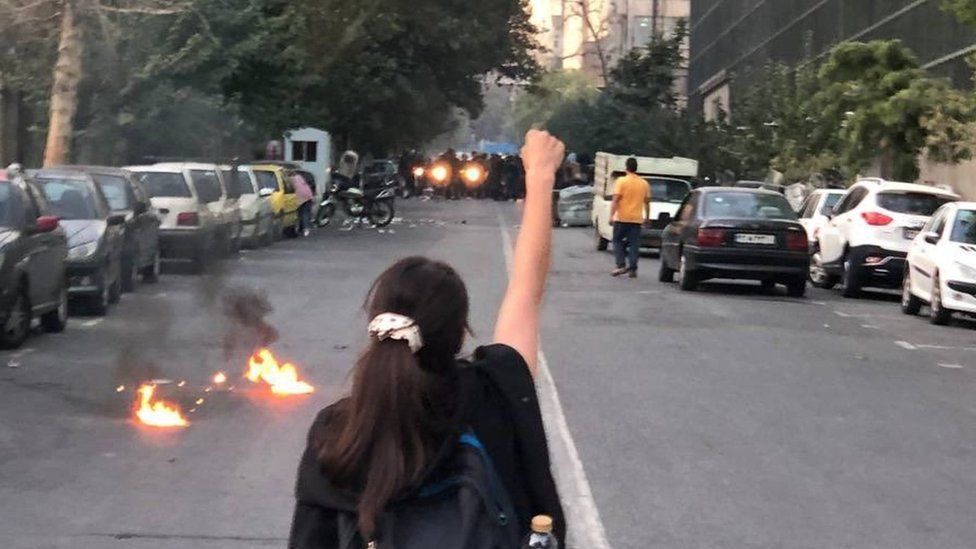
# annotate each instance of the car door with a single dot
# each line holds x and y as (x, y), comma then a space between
(672, 237)
(925, 256)
(835, 234)
(805, 212)
(290, 198)
(44, 254)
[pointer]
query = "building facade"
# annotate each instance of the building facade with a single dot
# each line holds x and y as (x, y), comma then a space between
(591, 35)
(733, 39)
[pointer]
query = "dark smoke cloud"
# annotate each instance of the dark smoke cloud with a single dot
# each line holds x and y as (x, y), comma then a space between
(245, 310)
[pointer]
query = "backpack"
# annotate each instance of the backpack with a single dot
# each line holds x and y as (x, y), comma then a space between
(464, 507)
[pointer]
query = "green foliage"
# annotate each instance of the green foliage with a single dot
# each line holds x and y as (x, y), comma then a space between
(883, 105)
(965, 10)
(644, 77)
(551, 93)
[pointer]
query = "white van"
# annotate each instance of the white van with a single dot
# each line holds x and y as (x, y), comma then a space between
(670, 180)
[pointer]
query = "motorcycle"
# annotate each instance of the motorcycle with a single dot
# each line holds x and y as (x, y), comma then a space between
(373, 204)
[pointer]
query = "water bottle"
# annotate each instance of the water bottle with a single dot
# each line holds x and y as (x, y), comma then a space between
(541, 535)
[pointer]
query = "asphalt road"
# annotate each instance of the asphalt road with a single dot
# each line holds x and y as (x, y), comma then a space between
(724, 418)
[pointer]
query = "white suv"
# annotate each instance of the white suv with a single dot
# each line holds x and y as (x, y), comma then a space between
(867, 239)
(941, 267)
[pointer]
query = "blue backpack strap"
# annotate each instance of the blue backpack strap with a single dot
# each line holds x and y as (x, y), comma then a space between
(498, 491)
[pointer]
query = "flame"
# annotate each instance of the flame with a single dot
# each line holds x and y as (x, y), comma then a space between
(159, 413)
(283, 379)
(219, 378)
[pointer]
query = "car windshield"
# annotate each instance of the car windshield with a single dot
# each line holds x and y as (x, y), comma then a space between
(70, 198)
(746, 205)
(116, 191)
(830, 202)
(237, 184)
(266, 180)
(912, 203)
(165, 184)
(964, 231)
(672, 191)
(11, 207)
(207, 184)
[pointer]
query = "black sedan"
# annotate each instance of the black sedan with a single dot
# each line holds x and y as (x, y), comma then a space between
(725, 232)
(95, 236)
(127, 196)
(32, 271)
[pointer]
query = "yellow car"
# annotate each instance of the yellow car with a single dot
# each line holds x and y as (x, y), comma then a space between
(274, 185)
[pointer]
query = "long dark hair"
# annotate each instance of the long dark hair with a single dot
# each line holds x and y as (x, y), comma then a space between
(385, 435)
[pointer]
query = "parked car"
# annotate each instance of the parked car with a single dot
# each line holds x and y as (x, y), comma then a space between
(814, 214)
(870, 231)
(728, 232)
(188, 228)
(127, 196)
(284, 202)
(764, 185)
(221, 200)
(257, 214)
(95, 236)
(941, 266)
(33, 247)
(574, 206)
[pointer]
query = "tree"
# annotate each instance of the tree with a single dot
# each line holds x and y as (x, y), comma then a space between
(965, 10)
(553, 90)
(644, 77)
(889, 108)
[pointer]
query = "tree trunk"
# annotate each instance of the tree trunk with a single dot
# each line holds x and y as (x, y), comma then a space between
(64, 91)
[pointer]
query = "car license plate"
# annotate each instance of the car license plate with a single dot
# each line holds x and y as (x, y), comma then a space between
(910, 234)
(761, 239)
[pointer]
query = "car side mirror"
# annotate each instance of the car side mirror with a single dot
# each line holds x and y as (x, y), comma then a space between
(932, 237)
(265, 192)
(45, 224)
(115, 220)
(141, 208)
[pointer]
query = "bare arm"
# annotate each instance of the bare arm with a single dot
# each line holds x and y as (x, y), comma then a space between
(518, 318)
(614, 206)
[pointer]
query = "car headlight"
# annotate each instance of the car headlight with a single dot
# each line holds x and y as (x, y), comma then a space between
(83, 251)
(966, 271)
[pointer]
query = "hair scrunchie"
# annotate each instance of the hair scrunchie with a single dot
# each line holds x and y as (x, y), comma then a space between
(398, 327)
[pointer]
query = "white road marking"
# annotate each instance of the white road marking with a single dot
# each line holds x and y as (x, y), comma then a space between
(870, 326)
(950, 366)
(906, 345)
(944, 347)
(585, 529)
(842, 314)
(92, 323)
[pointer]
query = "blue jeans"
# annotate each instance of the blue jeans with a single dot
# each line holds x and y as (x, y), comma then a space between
(305, 216)
(626, 244)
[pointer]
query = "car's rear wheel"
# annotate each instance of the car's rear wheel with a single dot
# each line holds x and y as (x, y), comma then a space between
(797, 287)
(910, 305)
(55, 321)
(819, 276)
(601, 243)
(687, 278)
(665, 273)
(150, 273)
(17, 326)
(852, 284)
(940, 316)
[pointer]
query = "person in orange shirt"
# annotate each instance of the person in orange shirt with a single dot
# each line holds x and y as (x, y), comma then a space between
(630, 209)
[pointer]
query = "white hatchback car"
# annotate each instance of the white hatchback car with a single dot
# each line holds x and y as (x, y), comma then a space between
(941, 268)
(870, 230)
(257, 214)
